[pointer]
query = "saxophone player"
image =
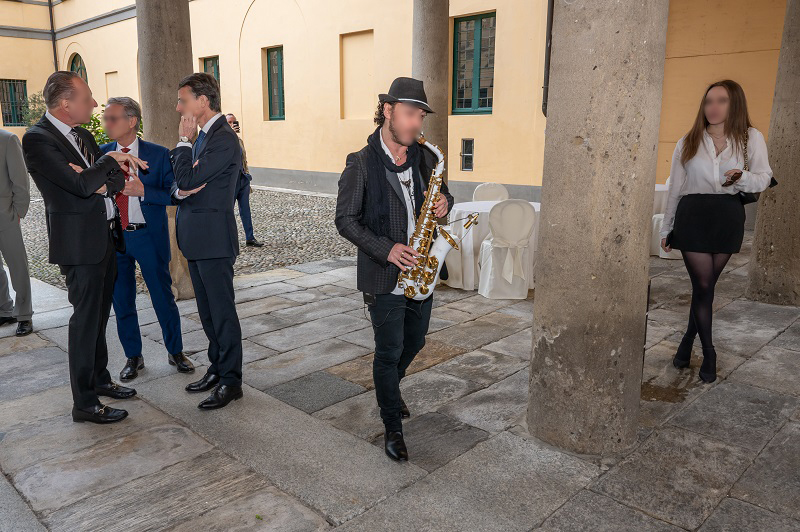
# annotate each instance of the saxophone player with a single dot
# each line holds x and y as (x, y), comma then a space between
(381, 193)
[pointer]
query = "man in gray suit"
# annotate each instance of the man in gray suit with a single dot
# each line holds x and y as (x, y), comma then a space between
(15, 197)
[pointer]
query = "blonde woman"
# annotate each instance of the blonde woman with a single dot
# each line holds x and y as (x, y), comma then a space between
(705, 215)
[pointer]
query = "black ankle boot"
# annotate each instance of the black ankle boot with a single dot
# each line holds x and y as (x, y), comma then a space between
(708, 369)
(684, 354)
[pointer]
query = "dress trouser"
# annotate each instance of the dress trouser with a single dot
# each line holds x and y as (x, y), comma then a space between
(243, 197)
(139, 247)
(212, 280)
(12, 250)
(89, 288)
(400, 325)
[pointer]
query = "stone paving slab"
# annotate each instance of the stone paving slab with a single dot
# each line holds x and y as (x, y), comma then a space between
(733, 514)
(262, 290)
(477, 305)
(284, 367)
(738, 414)
(45, 320)
(774, 368)
(495, 408)
(591, 511)
(315, 391)
(163, 499)
(482, 366)
(676, 476)
(477, 333)
(16, 344)
(503, 484)
(49, 403)
(57, 482)
(316, 310)
(745, 326)
(358, 371)
(15, 515)
(423, 392)
(297, 452)
(772, 481)
(518, 345)
(30, 372)
(789, 339)
(153, 330)
(270, 276)
(313, 280)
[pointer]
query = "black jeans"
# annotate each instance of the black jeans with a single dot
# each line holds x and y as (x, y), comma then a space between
(400, 325)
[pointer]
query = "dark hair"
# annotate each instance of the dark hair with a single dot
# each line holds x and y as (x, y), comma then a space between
(736, 123)
(59, 86)
(203, 84)
(379, 118)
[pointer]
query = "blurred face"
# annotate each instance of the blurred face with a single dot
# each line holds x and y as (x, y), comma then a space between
(404, 122)
(189, 104)
(116, 123)
(231, 119)
(80, 106)
(716, 105)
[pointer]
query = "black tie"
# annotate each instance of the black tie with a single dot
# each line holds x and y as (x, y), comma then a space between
(82, 146)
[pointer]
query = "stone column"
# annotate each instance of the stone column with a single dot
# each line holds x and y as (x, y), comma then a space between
(430, 49)
(165, 56)
(592, 259)
(774, 272)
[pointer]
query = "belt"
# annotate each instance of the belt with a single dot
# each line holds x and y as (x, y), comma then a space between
(135, 227)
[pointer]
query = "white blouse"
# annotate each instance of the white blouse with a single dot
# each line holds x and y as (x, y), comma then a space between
(705, 172)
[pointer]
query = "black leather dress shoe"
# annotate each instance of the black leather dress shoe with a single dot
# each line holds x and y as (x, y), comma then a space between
(114, 390)
(183, 364)
(404, 412)
(254, 243)
(131, 369)
(395, 446)
(99, 414)
(5, 320)
(222, 395)
(24, 328)
(208, 381)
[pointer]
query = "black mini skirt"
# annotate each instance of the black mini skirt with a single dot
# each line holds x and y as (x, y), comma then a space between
(709, 223)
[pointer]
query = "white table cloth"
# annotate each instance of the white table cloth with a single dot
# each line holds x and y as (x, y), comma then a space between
(660, 199)
(462, 265)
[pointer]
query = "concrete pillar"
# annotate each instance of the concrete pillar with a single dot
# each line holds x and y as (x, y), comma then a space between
(592, 259)
(430, 50)
(165, 56)
(774, 272)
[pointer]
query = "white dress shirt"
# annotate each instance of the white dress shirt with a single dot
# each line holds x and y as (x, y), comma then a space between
(705, 172)
(65, 130)
(407, 175)
(205, 128)
(135, 215)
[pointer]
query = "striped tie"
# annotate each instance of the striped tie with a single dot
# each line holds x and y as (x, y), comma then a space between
(82, 146)
(122, 201)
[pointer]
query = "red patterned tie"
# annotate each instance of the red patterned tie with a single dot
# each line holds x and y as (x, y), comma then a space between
(122, 199)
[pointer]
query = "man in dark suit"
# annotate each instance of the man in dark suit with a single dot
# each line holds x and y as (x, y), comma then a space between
(206, 230)
(144, 225)
(381, 193)
(78, 184)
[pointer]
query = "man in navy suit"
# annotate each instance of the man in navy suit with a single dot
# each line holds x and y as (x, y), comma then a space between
(205, 227)
(143, 215)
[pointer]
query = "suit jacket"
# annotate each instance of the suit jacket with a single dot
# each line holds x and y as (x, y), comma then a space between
(76, 217)
(205, 225)
(157, 181)
(374, 273)
(15, 193)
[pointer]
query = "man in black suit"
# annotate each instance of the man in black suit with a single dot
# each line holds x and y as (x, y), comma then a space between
(206, 229)
(381, 194)
(78, 183)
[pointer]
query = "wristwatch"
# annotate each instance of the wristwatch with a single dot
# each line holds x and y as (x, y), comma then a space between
(183, 139)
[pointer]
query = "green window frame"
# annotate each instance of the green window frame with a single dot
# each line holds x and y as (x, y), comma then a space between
(13, 101)
(277, 107)
(77, 65)
(211, 66)
(473, 63)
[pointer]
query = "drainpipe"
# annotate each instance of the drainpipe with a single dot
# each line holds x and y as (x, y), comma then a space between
(548, 43)
(53, 33)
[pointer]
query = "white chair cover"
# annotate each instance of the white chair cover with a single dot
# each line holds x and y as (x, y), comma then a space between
(655, 240)
(490, 192)
(505, 260)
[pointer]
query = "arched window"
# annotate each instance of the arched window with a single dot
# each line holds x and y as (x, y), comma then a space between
(76, 65)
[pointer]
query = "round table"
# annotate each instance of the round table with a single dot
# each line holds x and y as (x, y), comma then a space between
(462, 265)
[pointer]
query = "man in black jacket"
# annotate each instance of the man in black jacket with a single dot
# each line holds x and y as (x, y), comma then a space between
(381, 192)
(206, 230)
(78, 183)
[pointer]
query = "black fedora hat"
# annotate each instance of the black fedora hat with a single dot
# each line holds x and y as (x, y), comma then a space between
(408, 91)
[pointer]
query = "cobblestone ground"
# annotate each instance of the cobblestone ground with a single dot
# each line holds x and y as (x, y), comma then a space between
(295, 228)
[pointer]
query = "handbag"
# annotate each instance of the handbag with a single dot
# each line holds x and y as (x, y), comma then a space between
(752, 197)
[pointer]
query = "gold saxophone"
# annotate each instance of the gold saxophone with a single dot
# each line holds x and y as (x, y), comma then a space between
(418, 282)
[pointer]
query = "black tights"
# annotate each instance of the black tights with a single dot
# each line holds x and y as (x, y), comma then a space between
(704, 270)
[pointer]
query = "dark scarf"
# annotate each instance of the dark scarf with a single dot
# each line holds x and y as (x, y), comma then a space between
(376, 199)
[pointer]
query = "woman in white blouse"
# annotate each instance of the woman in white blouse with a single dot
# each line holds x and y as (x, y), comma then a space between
(705, 215)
